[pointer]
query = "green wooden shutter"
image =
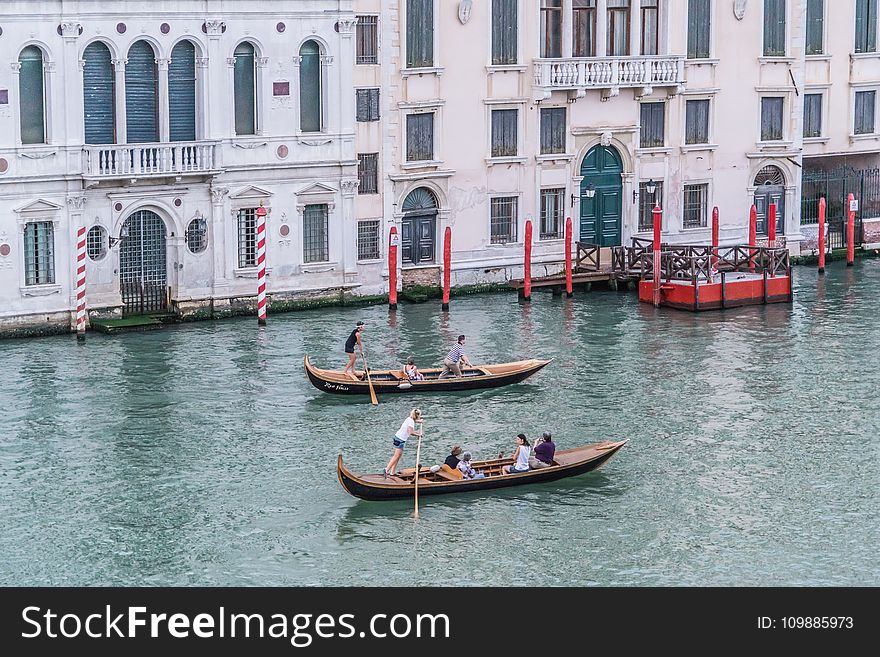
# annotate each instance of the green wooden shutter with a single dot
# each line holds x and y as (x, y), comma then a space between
(310, 87)
(245, 86)
(815, 26)
(141, 94)
(504, 32)
(182, 92)
(866, 25)
(699, 26)
(98, 95)
(774, 28)
(419, 33)
(31, 96)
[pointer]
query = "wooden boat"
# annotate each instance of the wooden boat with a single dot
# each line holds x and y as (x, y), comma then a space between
(567, 463)
(482, 376)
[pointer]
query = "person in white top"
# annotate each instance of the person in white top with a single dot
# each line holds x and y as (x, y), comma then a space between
(407, 429)
(520, 456)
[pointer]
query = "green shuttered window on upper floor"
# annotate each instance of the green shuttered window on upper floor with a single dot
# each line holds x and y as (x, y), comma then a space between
(504, 32)
(99, 100)
(419, 33)
(774, 28)
(310, 91)
(244, 83)
(32, 96)
(699, 22)
(866, 26)
(182, 92)
(141, 94)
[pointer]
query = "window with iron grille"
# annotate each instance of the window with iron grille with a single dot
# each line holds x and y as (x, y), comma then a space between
(815, 27)
(368, 240)
(771, 119)
(367, 104)
(39, 253)
(197, 235)
(696, 122)
(866, 26)
(699, 28)
(316, 233)
(552, 207)
(96, 243)
(653, 125)
(504, 132)
(774, 28)
(368, 173)
(812, 115)
(583, 19)
(647, 201)
(247, 237)
(552, 130)
(420, 137)
(650, 27)
(419, 33)
(551, 28)
(618, 28)
(504, 31)
(503, 220)
(695, 200)
(367, 34)
(864, 112)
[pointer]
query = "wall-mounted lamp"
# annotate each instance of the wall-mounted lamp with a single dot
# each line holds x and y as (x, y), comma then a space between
(651, 187)
(113, 241)
(589, 192)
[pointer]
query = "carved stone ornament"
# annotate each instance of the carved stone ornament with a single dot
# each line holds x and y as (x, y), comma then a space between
(739, 9)
(605, 139)
(76, 202)
(464, 11)
(217, 194)
(349, 187)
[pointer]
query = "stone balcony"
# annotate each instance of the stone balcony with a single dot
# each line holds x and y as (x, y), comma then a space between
(608, 74)
(135, 161)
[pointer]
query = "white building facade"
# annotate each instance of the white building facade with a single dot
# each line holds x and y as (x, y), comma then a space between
(161, 127)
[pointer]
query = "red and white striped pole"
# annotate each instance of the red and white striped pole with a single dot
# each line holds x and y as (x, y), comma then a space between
(261, 265)
(81, 283)
(658, 219)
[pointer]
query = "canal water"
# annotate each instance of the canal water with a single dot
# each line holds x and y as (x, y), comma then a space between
(201, 455)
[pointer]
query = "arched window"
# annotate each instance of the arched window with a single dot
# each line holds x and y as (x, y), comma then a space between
(310, 87)
(182, 92)
(31, 94)
(142, 94)
(98, 95)
(245, 90)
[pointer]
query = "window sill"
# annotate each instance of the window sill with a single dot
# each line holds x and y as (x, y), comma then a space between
(780, 145)
(692, 148)
(694, 229)
(318, 267)
(248, 142)
(702, 61)
(422, 164)
(370, 261)
(40, 290)
(654, 150)
(429, 70)
(550, 157)
(816, 140)
(411, 267)
(514, 159)
(869, 137)
(818, 58)
(506, 68)
(550, 241)
(864, 55)
(776, 60)
(248, 272)
(502, 245)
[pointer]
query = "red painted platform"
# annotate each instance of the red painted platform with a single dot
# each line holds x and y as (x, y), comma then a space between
(738, 289)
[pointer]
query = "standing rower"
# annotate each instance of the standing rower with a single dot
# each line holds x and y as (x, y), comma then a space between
(353, 339)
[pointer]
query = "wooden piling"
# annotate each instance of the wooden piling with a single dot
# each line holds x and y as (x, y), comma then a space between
(447, 264)
(850, 230)
(392, 268)
(657, 215)
(753, 236)
(527, 264)
(821, 244)
(568, 237)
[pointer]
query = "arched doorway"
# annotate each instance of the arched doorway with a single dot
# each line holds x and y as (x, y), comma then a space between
(418, 228)
(601, 215)
(770, 189)
(143, 277)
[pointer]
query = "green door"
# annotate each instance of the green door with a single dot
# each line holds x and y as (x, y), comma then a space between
(601, 214)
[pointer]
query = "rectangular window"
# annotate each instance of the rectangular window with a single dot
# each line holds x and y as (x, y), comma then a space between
(695, 200)
(696, 122)
(699, 28)
(368, 173)
(367, 34)
(552, 130)
(653, 125)
(247, 237)
(552, 207)
(503, 220)
(368, 240)
(583, 15)
(551, 28)
(812, 115)
(420, 137)
(504, 133)
(618, 28)
(647, 201)
(650, 27)
(771, 119)
(367, 104)
(504, 32)
(864, 116)
(419, 33)
(39, 253)
(774, 28)
(316, 234)
(866, 26)
(815, 27)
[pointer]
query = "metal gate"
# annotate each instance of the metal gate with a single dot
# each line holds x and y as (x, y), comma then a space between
(143, 278)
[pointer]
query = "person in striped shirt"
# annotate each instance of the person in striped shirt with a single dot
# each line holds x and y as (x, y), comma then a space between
(454, 360)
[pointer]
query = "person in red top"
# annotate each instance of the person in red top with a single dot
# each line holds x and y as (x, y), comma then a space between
(545, 450)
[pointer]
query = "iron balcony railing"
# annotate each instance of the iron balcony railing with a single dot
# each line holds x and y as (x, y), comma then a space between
(609, 72)
(139, 160)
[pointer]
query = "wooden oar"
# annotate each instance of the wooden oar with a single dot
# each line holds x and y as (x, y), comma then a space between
(373, 399)
(418, 468)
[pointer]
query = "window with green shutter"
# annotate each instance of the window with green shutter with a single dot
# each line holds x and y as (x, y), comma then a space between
(552, 130)
(504, 133)
(653, 123)
(772, 119)
(244, 89)
(815, 27)
(504, 31)
(310, 87)
(141, 94)
(866, 26)
(699, 22)
(812, 115)
(774, 28)
(864, 112)
(99, 101)
(696, 121)
(419, 33)
(31, 93)
(182, 92)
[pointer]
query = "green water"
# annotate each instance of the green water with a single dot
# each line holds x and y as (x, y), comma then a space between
(200, 454)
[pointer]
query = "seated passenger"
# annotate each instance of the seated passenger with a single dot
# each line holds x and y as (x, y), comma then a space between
(412, 372)
(545, 450)
(520, 456)
(467, 469)
(452, 460)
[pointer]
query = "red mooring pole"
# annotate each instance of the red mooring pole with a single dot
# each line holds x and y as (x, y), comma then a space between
(850, 230)
(753, 236)
(658, 220)
(771, 226)
(392, 268)
(527, 265)
(821, 243)
(715, 229)
(261, 265)
(81, 283)
(447, 265)
(568, 284)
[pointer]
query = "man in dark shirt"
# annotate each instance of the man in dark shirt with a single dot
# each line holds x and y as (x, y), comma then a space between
(452, 460)
(353, 340)
(544, 452)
